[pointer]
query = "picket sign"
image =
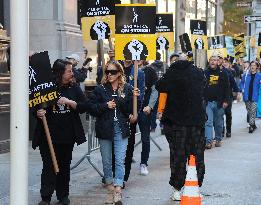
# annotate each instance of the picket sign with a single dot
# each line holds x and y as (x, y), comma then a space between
(42, 92)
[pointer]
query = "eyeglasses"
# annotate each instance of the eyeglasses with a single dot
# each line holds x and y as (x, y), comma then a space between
(112, 72)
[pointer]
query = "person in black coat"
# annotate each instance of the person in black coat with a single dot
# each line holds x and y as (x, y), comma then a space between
(111, 104)
(183, 120)
(65, 128)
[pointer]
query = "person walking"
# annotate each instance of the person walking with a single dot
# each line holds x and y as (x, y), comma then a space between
(111, 104)
(250, 85)
(160, 69)
(226, 67)
(217, 94)
(65, 128)
(145, 117)
(183, 120)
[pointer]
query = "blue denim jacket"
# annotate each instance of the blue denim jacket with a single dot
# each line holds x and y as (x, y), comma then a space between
(244, 86)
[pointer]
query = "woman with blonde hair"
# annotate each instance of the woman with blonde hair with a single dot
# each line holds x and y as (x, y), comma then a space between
(111, 104)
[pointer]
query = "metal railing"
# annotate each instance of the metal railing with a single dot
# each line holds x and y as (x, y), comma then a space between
(93, 144)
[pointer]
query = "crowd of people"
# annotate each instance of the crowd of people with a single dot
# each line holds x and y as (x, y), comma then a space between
(194, 106)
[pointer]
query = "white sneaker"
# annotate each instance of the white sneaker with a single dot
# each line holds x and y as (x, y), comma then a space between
(144, 170)
(176, 194)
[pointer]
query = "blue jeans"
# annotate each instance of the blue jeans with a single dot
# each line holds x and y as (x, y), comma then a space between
(215, 119)
(153, 124)
(120, 146)
(144, 125)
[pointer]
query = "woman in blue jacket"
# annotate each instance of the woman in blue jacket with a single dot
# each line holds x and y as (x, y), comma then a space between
(250, 85)
(111, 104)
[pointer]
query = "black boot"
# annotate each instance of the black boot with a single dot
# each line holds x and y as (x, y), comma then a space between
(228, 134)
(44, 202)
(64, 201)
(251, 129)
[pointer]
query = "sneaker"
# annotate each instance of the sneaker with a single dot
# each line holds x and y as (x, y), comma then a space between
(218, 144)
(110, 194)
(248, 125)
(228, 134)
(208, 146)
(117, 198)
(44, 202)
(176, 194)
(251, 129)
(254, 126)
(144, 170)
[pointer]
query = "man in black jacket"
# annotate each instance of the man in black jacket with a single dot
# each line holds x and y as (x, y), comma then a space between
(217, 94)
(183, 120)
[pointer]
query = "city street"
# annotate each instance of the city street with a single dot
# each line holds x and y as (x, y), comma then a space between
(233, 173)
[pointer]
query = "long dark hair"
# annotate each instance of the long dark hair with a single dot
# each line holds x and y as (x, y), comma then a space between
(255, 62)
(122, 78)
(59, 69)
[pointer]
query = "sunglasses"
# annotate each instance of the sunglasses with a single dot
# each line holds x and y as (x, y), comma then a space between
(112, 72)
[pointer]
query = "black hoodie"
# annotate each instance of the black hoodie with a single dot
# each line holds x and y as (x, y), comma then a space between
(184, 84)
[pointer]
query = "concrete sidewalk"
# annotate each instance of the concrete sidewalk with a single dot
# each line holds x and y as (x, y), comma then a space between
(233, 173)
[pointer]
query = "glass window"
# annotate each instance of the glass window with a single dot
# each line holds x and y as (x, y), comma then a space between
(171, 6)
(201, 8)
(190, 14)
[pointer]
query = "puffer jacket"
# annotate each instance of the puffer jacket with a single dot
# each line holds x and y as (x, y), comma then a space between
(104, 125)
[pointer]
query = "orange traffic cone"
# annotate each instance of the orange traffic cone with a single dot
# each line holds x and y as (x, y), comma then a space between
(191, 195)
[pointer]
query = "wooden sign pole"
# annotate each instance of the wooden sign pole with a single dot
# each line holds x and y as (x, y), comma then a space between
(101, 51)
(110, 43)
(167, 60)
(50, 144)
(135, 99)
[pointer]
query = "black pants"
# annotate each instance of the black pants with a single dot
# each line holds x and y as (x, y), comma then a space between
(49, 180)
(184, 141)
(130, 150)
(228, 114)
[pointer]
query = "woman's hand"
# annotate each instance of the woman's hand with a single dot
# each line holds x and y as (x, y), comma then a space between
(160, 115)
(147, 110)
(111, 104)
(136, 92)
(63, 101)
(40, 113)
(132, 119)
(66, 101)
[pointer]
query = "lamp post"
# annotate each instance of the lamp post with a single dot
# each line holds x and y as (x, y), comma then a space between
(19, 124)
